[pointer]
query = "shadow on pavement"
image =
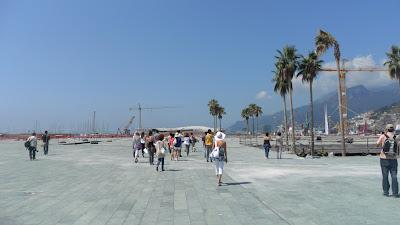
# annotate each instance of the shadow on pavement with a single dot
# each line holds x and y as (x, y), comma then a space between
(237, 183)
(172, 170)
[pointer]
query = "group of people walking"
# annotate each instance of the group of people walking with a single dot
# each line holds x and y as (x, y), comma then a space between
(32, 142)
(157, 145)
(215, 150)
(278, 145)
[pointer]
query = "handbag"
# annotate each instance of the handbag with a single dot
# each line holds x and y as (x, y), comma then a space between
(215, 153)
(145, 150)
(163, 150)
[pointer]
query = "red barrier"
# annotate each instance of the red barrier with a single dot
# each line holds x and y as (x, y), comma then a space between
(20, 137)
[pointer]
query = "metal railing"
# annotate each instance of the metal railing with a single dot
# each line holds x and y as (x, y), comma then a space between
(356, 145)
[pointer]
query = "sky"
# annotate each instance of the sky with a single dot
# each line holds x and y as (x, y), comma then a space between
(62, 60)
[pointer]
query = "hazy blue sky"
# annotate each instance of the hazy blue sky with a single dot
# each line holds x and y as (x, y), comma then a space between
(60, 60)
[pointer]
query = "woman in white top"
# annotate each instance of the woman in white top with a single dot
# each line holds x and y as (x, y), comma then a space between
(186, 143)
(279, 145)
(32, 146)
(137, 146)
(160, 151)
(219, 155)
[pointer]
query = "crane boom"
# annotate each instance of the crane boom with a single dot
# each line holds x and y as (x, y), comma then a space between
(129, 123)
(140, 108)
(355, 70)
(125, 129)
(342, 89)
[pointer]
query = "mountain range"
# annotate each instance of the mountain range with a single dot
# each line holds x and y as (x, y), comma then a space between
(359, 100)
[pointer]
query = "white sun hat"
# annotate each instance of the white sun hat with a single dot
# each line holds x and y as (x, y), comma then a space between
(219, 136)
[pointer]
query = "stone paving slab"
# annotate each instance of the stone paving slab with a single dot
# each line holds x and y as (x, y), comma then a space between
(99, 184)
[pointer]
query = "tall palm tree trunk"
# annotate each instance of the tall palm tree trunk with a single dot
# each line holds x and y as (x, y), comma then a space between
(220, 124)
(292, 121)
(247, 125)
(341, 109)
(286, 121)
(253, 125)
(257, 125)
(312, 119)
(215, 123)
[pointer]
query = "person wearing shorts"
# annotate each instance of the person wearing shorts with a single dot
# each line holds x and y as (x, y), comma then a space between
(178, 140)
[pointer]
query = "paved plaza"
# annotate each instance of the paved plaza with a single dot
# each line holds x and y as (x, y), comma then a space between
(100, 184)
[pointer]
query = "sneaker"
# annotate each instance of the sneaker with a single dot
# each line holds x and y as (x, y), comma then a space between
(396, 196)
(386, 194)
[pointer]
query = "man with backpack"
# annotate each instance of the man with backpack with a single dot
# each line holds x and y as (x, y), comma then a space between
(388, 160)
(31, 144)
(46, 139)
(178, 144)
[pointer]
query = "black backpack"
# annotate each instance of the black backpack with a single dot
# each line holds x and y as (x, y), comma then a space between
(27, 144)
(178, 142)
(390, 146)
(221, 153)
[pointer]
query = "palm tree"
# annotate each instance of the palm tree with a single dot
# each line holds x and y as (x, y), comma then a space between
(393, 63)
(308, 70)
(246, 115)
(259, 112)
(282, 88)
(213, 107)
(253, 109)
(220, 113)
(324, 41)
(287, 64)
(256, 111)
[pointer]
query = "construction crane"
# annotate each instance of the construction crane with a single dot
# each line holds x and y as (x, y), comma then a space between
(140, 109)
(342, 95)
(125, 129)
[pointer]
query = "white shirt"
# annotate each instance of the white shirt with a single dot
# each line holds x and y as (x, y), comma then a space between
(186, 140)
(33, 141)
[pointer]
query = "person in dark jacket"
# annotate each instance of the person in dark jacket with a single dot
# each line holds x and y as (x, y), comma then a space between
(46, 140)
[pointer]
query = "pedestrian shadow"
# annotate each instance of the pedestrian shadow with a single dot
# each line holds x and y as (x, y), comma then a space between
(141, 162)
(236, 183)
(281, 158)
(172, 170)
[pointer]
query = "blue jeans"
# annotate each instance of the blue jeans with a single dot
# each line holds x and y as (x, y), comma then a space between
(389, 166)
(208, 151)
(151, 150)
(32, 153)
(266, 148)
(46, 148)
(160, 161)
